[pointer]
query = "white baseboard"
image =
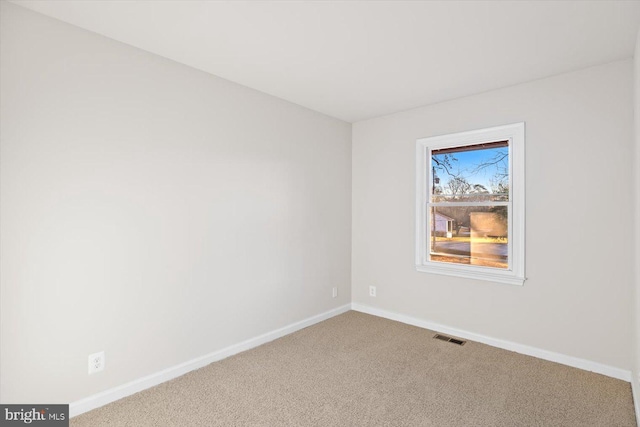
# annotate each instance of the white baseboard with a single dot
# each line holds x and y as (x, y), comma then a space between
(111, 395)
(635, 391)
(575, 362)
(116, 393)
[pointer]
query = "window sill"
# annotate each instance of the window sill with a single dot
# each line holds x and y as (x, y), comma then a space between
(506, 277)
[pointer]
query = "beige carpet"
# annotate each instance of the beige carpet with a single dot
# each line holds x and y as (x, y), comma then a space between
(360, 370)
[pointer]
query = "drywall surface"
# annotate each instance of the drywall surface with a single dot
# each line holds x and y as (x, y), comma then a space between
(152, 211)
(636, 220)
(579, 216)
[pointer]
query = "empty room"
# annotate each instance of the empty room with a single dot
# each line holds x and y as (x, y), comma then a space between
(319, 213)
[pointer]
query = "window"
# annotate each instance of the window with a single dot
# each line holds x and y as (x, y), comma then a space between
(470, 204)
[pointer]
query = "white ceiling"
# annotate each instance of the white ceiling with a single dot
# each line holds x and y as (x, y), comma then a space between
(356, 60)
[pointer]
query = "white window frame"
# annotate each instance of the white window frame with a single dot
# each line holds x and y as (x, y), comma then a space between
(515, 273)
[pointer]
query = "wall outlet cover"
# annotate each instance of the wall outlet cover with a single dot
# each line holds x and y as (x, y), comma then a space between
(96, 362)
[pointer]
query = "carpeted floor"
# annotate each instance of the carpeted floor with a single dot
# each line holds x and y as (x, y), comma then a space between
(360, 370)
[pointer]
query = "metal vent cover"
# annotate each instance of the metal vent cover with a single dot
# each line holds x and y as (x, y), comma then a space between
(449, 339)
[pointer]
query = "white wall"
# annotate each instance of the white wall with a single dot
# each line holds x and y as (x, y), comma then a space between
(152, 211)
(636, 308)
(579, 145)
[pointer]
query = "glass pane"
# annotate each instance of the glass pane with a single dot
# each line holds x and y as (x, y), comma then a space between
(474, 235)
(474, 173)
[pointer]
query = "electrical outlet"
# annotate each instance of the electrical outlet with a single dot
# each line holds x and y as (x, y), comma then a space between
(96, 362)
(334, 292)
(372, 291)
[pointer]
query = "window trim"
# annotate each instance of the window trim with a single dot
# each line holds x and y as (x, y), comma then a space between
(515, 134)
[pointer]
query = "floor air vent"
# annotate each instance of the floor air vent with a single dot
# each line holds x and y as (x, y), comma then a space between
(448, 339)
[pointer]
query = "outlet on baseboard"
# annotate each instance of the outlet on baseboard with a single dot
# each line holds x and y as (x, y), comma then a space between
(372, 291)
(96, 362)
(334, 292)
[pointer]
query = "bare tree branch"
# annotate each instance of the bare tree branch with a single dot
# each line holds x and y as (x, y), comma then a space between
(500, 160)
(445, 164)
